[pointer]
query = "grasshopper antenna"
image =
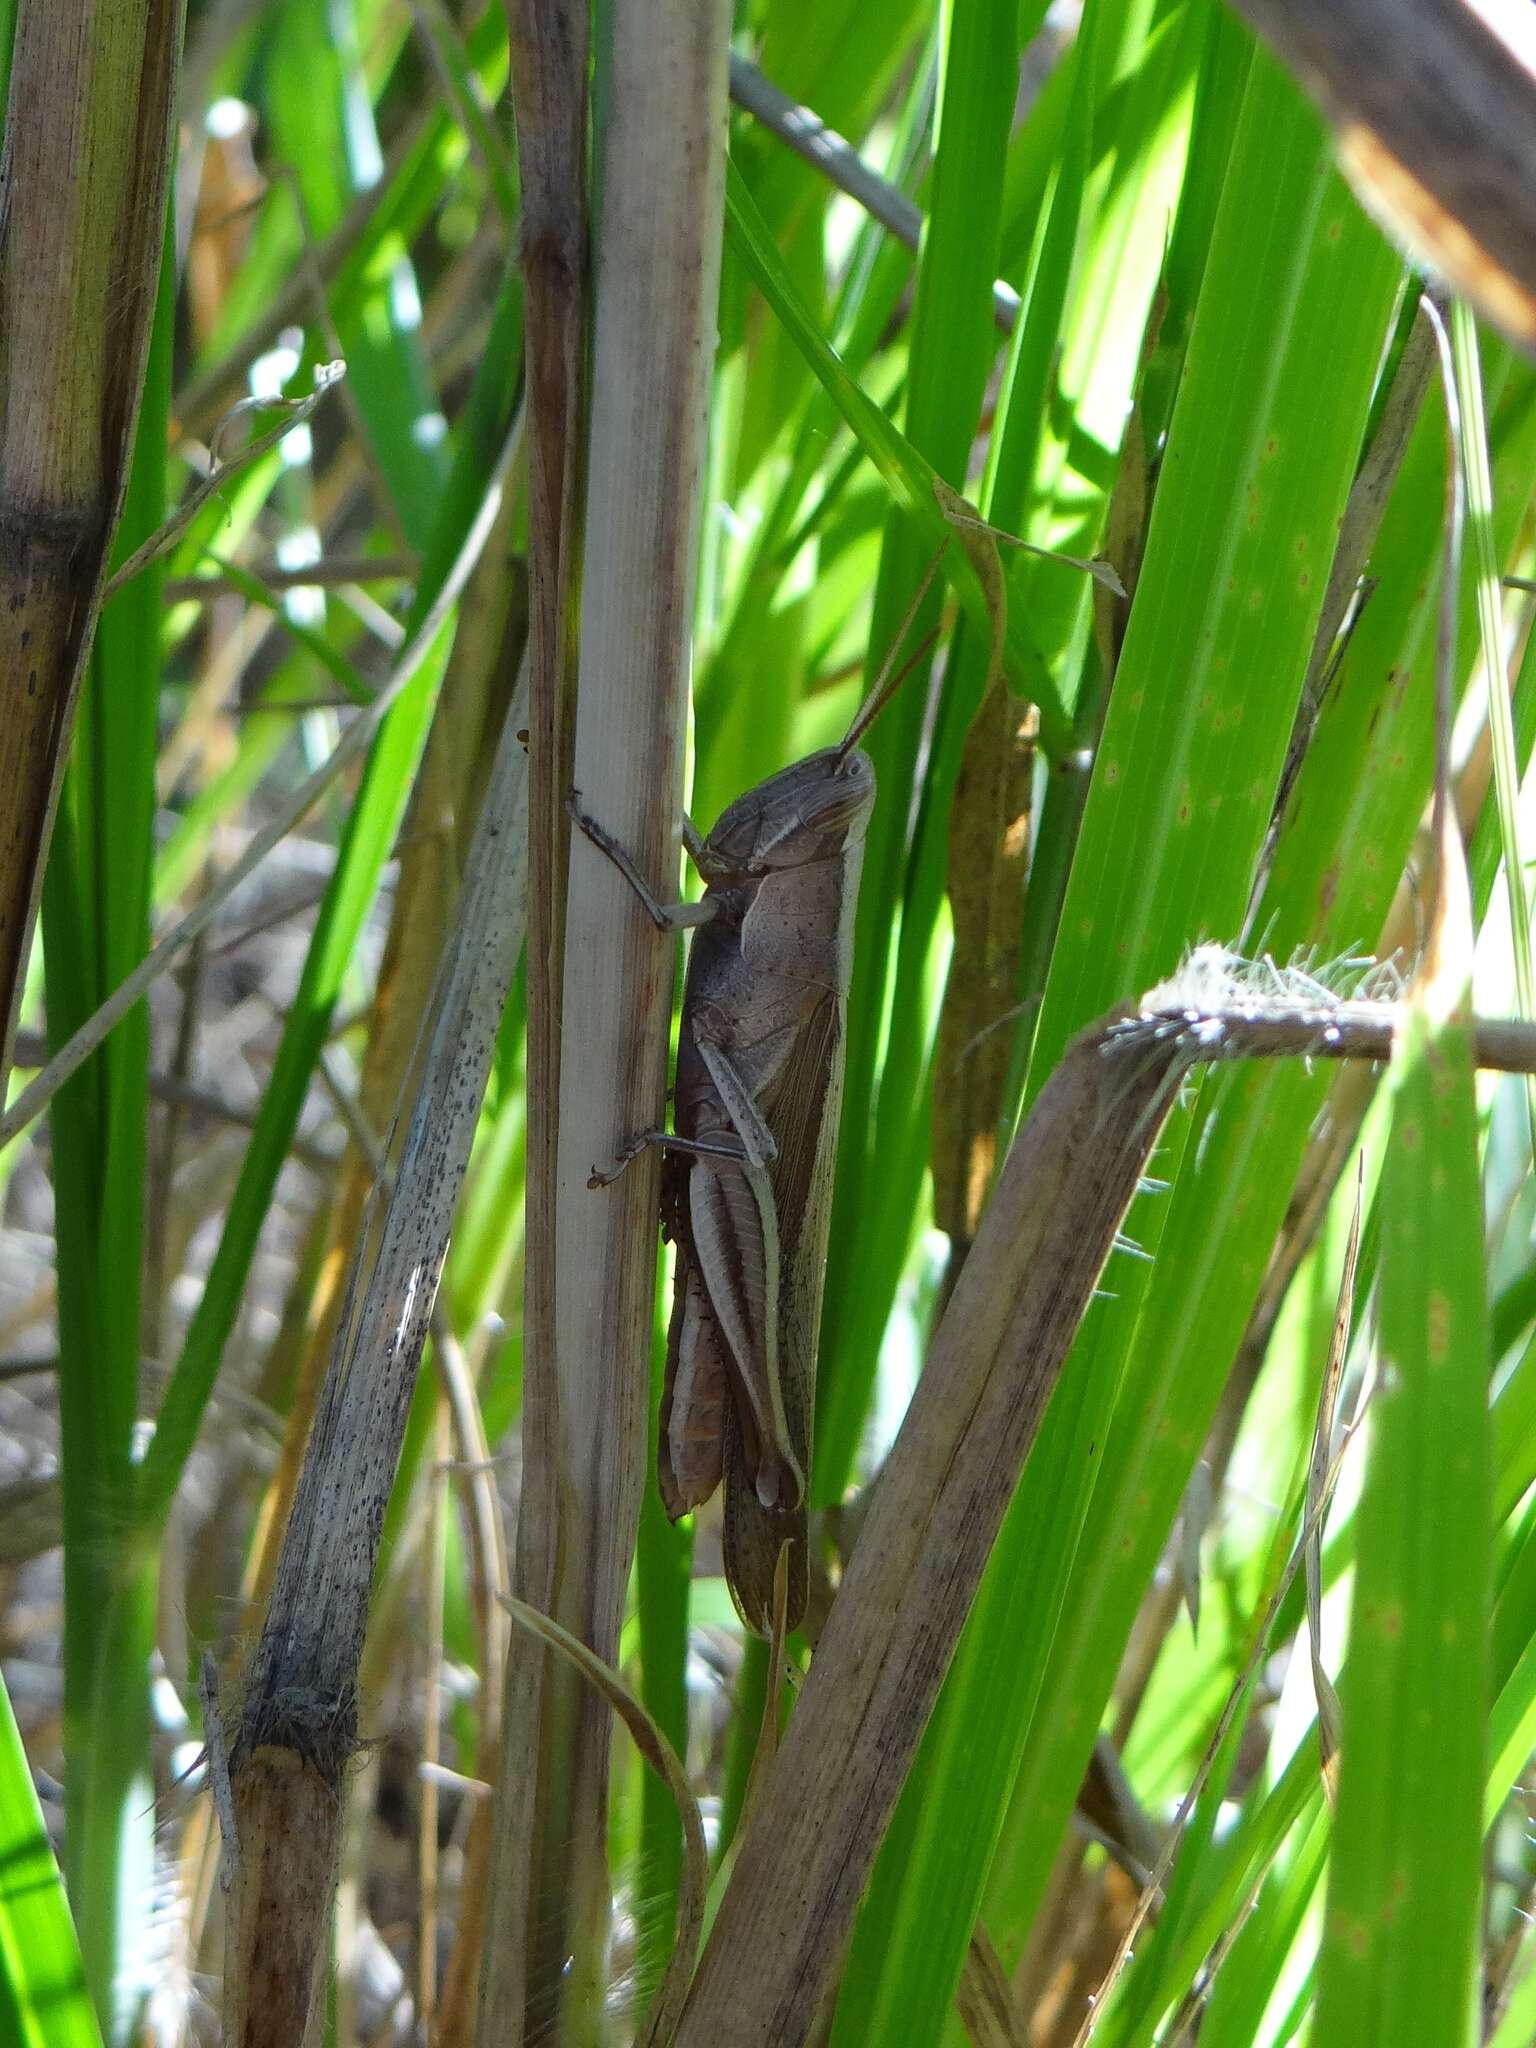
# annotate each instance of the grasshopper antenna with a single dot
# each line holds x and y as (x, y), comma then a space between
(886, 685)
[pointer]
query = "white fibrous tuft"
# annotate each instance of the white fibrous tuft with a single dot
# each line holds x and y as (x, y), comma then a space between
(1208, 978)
(1216, 988)
(1213, 980)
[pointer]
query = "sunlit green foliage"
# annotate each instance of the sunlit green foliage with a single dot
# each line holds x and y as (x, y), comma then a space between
(1204, 326)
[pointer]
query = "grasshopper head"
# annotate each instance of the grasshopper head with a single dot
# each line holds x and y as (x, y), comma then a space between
(807, 812)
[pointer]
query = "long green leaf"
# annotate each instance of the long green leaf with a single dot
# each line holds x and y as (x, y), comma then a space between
(95, 917)
(43, 1999)
(1400, 1946)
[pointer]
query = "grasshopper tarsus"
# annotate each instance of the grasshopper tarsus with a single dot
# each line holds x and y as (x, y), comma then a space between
(597, 1178)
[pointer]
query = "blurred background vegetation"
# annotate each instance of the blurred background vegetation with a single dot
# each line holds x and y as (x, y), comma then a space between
(1122, 299)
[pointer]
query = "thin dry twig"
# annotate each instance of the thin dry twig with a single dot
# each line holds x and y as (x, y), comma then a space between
(295, 411)
(841, 165)
(1363, 513)
(328, 573)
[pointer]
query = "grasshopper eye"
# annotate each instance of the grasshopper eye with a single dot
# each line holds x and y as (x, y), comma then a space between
(850, 765)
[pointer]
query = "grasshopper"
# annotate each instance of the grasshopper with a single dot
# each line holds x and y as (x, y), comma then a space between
(747, 1173)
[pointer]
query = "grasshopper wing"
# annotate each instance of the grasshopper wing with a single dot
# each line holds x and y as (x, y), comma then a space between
(736, 1241)
(801, 1107)
(695, 1394)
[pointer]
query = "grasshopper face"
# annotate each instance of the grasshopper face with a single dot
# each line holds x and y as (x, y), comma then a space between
(805, 813)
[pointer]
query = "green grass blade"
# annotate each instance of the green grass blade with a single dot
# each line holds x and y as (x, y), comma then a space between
(904, 467)
(953, 346)
(1501, 731)
(663, 1571)
(1253, 478)
(43, 1999)
(323, 123)
(1517, 2027)
(1248, 1978)
(96, 929)
(1363, 792)
(1064, 314)
(1400, 1949)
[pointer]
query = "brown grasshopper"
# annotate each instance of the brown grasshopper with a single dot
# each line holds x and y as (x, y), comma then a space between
(747, 1180)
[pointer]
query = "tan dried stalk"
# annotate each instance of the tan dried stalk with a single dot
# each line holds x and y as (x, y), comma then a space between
(930, 1526)
(434, 848)
(297, 1724)
(1435, 105)
(988, 867)
(592, 1256)
(548, 41)
(82, 226)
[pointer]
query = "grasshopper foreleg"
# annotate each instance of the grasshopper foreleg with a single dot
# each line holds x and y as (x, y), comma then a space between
(667, 917)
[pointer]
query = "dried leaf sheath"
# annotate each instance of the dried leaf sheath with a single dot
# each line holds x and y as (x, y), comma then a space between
(988, 865)
(87, 151)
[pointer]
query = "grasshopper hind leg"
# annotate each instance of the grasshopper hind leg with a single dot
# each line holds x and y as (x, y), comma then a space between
(753, 1538)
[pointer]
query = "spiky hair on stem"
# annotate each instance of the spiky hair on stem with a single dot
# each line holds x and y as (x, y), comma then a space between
(1220, 1004)
(1215, 979)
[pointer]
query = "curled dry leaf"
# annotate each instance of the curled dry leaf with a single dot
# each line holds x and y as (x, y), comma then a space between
(661, 2019)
